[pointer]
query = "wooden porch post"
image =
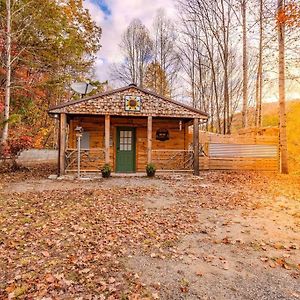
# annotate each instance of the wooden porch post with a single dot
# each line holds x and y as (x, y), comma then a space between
(196, 146)
(62, 143)
(149, 140)
(107, 137)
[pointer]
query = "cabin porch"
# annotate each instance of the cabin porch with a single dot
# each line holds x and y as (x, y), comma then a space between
(127, 144)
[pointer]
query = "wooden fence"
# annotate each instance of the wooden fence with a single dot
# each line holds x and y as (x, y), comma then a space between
(239, 152)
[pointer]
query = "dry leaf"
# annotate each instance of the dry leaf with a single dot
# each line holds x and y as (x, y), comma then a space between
(46, 253)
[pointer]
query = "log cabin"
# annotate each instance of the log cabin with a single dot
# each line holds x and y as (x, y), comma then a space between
(127, 128)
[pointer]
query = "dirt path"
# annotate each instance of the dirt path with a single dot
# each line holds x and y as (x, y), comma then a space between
(220, 236)
(238, 254)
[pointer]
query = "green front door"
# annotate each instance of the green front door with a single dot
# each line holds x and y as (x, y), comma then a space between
(125, 149)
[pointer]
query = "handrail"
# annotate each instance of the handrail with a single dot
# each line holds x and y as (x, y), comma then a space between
(93, 157)
(173, 159)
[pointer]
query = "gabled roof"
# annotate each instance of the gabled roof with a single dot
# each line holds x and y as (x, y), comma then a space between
(112, 102)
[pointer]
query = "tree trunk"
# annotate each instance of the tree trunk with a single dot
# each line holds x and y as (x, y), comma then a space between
(245, 65)
(281, 85)
(8, 74)
(226, 100)
(259, 79)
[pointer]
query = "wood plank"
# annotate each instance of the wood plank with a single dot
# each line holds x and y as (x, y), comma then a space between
(107, 136)
(62, 143)
(149, 140)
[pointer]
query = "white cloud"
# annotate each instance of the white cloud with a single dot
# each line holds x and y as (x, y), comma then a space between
(113, 25)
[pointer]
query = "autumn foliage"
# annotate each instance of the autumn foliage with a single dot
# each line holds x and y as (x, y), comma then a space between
(13, 147)
(57, 48)
(290, 15)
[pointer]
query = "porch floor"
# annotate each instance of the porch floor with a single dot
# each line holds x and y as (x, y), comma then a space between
(135, 174)
(72, 175)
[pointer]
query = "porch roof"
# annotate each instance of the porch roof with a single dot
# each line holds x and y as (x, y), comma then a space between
(113, 103)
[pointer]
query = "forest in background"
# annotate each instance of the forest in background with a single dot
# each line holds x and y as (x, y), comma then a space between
(221, 56)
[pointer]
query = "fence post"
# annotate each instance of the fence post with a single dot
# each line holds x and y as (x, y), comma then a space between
(206, 151)
(196, 146)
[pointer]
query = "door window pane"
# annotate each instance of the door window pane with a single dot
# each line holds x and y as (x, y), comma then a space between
(125, 140)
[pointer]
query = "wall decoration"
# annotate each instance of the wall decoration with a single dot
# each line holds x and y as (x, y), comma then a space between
(162, 134)
(132, 103)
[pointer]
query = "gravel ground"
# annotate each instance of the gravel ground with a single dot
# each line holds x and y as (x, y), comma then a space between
(218, 236)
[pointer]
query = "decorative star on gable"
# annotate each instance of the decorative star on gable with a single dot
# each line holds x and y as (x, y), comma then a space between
(132, 103)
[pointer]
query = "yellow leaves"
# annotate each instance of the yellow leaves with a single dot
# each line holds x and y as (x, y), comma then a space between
(184, 285)
(16, 292)
(40, 137)
(156, 80)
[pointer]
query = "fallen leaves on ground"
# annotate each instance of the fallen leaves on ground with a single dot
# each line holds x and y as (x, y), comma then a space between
(65, 243)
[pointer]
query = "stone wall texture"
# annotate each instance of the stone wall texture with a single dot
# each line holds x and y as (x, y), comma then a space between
(114, 104)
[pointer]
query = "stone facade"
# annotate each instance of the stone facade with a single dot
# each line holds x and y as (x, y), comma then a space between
(113, 103)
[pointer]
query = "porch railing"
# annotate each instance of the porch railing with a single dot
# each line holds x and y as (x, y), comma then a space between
(173, 160)
(90, 159)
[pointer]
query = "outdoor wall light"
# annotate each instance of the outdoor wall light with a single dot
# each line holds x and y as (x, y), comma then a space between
(79, 131)
(54, 116)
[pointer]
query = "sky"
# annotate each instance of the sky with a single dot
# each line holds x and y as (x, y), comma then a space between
(113, 16)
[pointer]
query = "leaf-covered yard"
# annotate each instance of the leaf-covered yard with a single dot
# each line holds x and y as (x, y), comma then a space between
(219, 236)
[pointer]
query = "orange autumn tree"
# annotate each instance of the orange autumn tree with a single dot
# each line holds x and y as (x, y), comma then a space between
(58, 46)
(290, 14)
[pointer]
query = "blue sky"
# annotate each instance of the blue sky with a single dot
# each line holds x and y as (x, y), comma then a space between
(103, 6)
(114, 16)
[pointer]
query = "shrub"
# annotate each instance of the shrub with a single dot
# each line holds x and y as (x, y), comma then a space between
(106, 171)
(13, 147)
(150, 169)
